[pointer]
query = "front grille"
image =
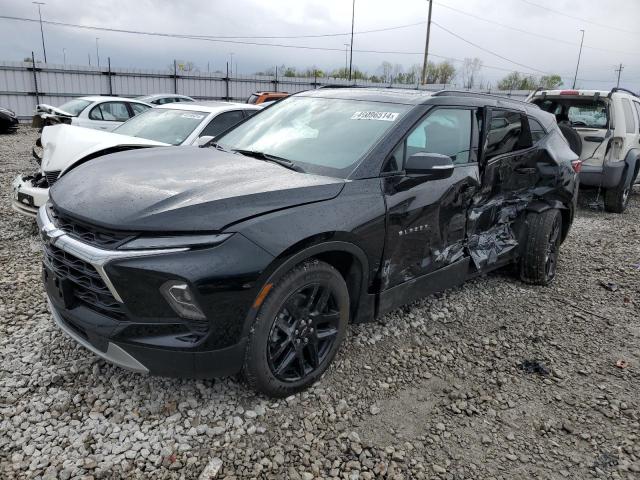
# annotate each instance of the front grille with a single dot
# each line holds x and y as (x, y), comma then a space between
(98, 237)
(52, 176)
(89, 288)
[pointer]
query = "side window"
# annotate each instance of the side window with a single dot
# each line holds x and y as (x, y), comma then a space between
(222, 122)
(395, 162)
(628, 116)
(506, 134)
(110, 111)
(637, 105)
(96, 113)
(248, 113)
(138, 108)
(537, 131)
(446, 131)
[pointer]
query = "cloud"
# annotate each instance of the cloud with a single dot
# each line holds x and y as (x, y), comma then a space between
(604, 47)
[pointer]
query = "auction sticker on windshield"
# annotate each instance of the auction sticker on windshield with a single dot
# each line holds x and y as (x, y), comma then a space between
(384, 116)
(192, 115)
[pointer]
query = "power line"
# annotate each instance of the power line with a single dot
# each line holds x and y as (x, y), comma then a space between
(527, 32)
(280, 45)
(610, 27)
(488, 51)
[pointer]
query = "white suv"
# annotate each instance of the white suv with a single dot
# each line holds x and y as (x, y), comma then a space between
(603, 128)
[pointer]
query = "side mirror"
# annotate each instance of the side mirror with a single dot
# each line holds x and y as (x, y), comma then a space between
(204, 140)
(435, 165)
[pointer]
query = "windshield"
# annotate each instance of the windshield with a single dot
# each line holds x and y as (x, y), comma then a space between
(74, 107)
(163, 125)
(586, 113)
(325, 136)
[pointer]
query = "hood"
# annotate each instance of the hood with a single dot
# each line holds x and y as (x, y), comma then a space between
(64, 145)
(183, 189)
(44, 108)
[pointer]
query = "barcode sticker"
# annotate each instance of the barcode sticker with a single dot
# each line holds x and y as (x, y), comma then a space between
(383, 116)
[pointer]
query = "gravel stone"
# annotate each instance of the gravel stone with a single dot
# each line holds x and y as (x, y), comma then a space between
(414, 395)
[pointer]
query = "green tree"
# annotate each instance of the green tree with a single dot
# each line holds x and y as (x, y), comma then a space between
(518, 81)
(550, 81)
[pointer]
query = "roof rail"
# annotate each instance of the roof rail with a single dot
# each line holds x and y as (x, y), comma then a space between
(465, 93)
(618, 89)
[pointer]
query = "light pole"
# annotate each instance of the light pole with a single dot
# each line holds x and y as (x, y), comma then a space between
(64, 56)
(353, 16)
(98, 50)
(44, 50)
(426, 46)
(231, 61)
(575, 78)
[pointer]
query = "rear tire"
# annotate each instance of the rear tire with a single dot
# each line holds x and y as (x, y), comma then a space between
(298, 330)
(616, 199)
(538, 264)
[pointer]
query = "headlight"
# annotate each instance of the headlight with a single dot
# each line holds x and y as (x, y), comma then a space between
(175, 241)
(11, 113)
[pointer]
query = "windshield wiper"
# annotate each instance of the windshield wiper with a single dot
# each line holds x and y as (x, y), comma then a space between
(217, 146)
(270, 158)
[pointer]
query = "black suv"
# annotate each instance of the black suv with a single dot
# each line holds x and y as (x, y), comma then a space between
(332, 206)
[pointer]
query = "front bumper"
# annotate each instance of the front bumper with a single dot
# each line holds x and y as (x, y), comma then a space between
(140, 331)
(26, 198)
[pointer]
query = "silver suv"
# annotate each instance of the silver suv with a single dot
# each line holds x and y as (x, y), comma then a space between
(603, 128)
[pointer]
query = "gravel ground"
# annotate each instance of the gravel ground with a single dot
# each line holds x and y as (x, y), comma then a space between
(492, 380)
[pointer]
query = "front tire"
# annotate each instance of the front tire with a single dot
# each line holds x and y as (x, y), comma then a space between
(616, 199)
(298, 330)
(539, 261)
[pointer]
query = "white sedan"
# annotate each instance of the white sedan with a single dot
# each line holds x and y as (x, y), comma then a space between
(67, 146)
(99, 112)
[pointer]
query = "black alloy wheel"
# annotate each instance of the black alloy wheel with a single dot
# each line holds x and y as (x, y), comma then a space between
(303, 333)
(553, 245)
(298, 330)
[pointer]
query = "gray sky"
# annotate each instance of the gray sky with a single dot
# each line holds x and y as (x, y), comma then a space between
(605, 47)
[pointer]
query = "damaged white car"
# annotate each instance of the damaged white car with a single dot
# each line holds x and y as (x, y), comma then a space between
(65, 147)
(99, 112)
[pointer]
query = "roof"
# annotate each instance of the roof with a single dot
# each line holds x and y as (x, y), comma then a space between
(98, 98)
(583, 93)
(209, 107)
(388, 95)
(162, 95)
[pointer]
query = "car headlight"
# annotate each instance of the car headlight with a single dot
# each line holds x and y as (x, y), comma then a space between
(175, 241)
(11, 113)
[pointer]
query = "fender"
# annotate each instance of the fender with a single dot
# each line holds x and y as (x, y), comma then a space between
(365, 307)
(539, 206)
(633, 165)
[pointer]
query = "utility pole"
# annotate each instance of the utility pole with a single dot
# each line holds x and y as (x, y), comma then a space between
(575, 78)
(426, 46)
(64, 56)
(98, 51)
(346, 58)
(353, 16)
(619, 70)
(231, 61)
(44, 50)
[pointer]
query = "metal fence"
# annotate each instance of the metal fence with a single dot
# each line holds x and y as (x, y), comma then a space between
(23, 86)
